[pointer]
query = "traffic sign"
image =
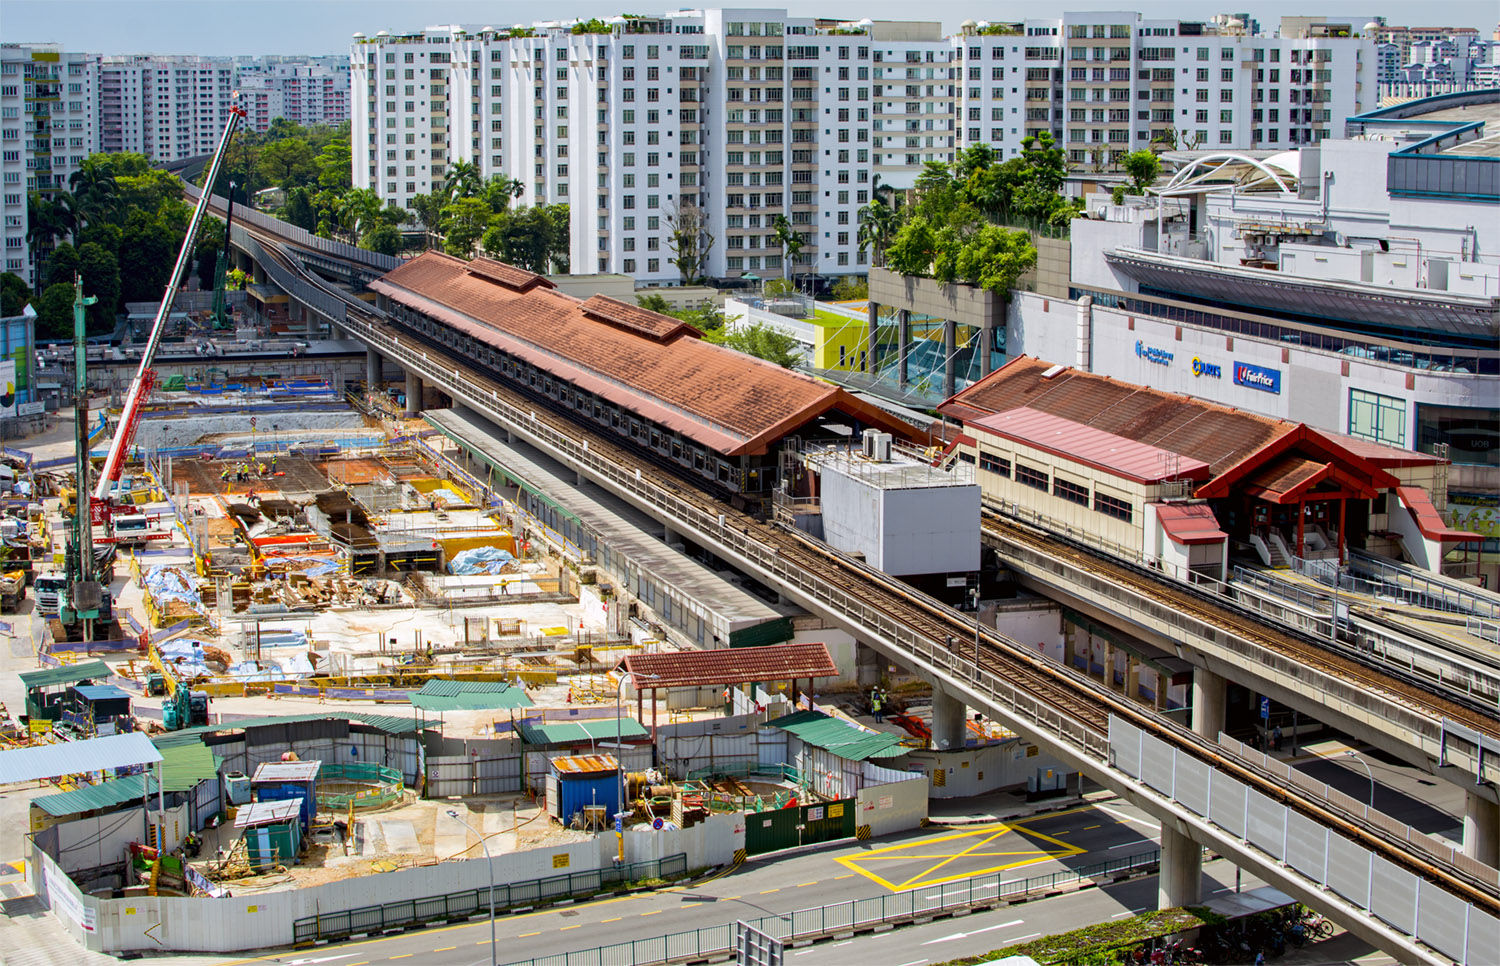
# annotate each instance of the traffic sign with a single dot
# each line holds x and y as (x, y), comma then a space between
(1265, 709)
(619, 824)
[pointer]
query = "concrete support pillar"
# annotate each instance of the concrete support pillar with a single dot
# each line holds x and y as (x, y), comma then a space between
(950, 360)
(1210, 693)
(373, 365)
(1132, 677)
(948, 729)
(868, 664)
(670, 536)
(872, 320)
(1109, 665)
(413, 394)
(1482, 829)
(1180, 882)
(986, 341)
(903, 344)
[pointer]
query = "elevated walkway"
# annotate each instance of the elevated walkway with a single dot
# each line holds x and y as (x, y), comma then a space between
(625, 537)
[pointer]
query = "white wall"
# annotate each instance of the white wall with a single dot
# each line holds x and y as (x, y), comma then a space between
(894, 807)
(920, 530)
(976, 771)
(101, 840)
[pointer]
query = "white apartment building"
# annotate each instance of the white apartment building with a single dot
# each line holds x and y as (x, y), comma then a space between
(310, 93)
(747, 114)
(48, 125)
(750, 113)
(1106, 83)
(166, 108)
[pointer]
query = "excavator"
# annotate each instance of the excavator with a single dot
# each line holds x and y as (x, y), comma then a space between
(181, 707)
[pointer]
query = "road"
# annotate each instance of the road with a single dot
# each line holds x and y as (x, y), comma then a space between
(1043, 844)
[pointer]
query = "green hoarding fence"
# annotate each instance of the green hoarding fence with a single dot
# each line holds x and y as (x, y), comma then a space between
(776, 829)
(455, 906)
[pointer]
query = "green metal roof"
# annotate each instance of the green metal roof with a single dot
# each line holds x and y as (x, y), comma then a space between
(843, 739)
(569, 732)
(444, 695)
(390, 724)
(183, 766)
(63, 674)
(89, 798)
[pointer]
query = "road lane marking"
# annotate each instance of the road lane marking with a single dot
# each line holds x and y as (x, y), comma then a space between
(654, 912)
(1123, 818)
(615, 919)
(769, 891)
(526, 935)
(404, 956)
(850, 876)
(1087, 828)
(1003, 925)
(1021, 938)
(1119, 915)
(804, 885)
(966, 935)
(576, 925)
(444, 949)
(915, 962)
(1126, 845)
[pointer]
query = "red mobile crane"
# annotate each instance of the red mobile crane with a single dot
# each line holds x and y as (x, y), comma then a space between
(145, 377)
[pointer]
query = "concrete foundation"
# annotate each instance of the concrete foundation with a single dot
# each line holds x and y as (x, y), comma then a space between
(948, 730)
(1482, 829)
(1181, 880)
(1209, 697)
(413, 394)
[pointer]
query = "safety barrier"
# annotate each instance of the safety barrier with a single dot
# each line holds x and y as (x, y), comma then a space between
(474, 902)
(1367, 881)
(384, 785)
(841, 918)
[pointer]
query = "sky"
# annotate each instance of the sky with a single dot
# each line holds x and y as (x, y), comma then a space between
(218, 27)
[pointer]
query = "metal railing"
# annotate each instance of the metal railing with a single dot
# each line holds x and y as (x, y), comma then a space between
(473, 902)
(1440, 593)
(843, 917)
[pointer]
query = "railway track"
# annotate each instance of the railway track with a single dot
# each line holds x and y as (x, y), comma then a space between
(1080, 699)
(1199, 606)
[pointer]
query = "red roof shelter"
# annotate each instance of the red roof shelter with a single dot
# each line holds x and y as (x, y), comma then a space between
(726, 667)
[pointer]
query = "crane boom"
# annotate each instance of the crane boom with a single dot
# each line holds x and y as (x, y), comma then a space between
(114, 461)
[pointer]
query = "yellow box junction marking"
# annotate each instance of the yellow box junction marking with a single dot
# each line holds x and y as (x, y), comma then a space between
(970, 844)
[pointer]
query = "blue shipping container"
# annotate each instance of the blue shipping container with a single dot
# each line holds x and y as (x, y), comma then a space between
(576, 792)
(289, 790)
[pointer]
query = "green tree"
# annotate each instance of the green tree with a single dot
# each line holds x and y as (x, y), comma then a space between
(499, 191)
(463, 180)
(385, 239)
(790, 242)
(298, 210)
(655, 303)
(689, 240)
(466, 220)
(63, 265)
(54, 312)
(287, 163)
(336, 165)
(850, 288)
(147, 248)
(206, 252)
(145, 192)
(914, 248)
(14, 294)
(429, 211)
(105, 234)
(1142, 167)
(101, 278)
(535, 239)
(762, 341)
(359, 210)
(994, 258)
(95, 190)
(878, 222)
(778, 288)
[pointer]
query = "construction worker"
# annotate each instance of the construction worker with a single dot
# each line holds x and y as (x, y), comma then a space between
(273, 465)
(224, 474)
(877, 704)
(262, 469)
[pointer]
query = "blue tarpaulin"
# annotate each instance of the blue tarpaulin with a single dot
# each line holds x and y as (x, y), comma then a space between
(480, 560)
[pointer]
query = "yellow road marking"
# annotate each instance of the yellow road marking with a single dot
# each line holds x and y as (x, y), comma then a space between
(444, 949)
(574, 926)
(483, 942)
(526, 934)
(654, 912)
(615, 919)
(767, 892)
(849, 876)
(1087, 827)
(979, 837)
(404, 956)
(729, 898)
(803, 885)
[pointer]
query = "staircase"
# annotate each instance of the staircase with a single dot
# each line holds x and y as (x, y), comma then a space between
(1276, 549)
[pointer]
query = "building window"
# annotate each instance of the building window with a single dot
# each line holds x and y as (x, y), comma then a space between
(1380, 419)
(1470, 435)
(1112, 506)
(994, 464)
(1031, 477)
(1072, 492)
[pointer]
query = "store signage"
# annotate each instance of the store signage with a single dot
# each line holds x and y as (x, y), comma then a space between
(1152, 354)
(1208, 369)
(1257, 377)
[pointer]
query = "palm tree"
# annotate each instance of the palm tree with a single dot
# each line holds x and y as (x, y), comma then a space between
(359, 210)
(877, 226)
(95, 189)
(47, 220)
(791, 245)
(463, 180)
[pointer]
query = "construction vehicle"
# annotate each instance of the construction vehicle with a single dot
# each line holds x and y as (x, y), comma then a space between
(12, 591)
(182, 707)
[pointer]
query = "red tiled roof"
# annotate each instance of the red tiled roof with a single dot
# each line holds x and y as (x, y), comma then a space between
(511, 277)
(1189, 523)
(633, 318)
(1197, 430)
(1429, 520)
(1285, 476)
(1137, 461)
(735, 665)
(730, 402)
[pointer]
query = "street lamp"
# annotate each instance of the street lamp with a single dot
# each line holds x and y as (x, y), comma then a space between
(619, 758)
(490, 863)
(1351, 753)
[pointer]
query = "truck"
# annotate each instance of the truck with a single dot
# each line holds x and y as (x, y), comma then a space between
(12, 591)
(50, 588)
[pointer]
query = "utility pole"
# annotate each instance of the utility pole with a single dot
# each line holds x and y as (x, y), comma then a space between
(84, 595)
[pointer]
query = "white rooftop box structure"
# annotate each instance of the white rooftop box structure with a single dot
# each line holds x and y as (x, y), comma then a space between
(890, 504)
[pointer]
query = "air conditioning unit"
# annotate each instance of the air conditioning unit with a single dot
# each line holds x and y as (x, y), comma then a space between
(882, 452)
(867, 443)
